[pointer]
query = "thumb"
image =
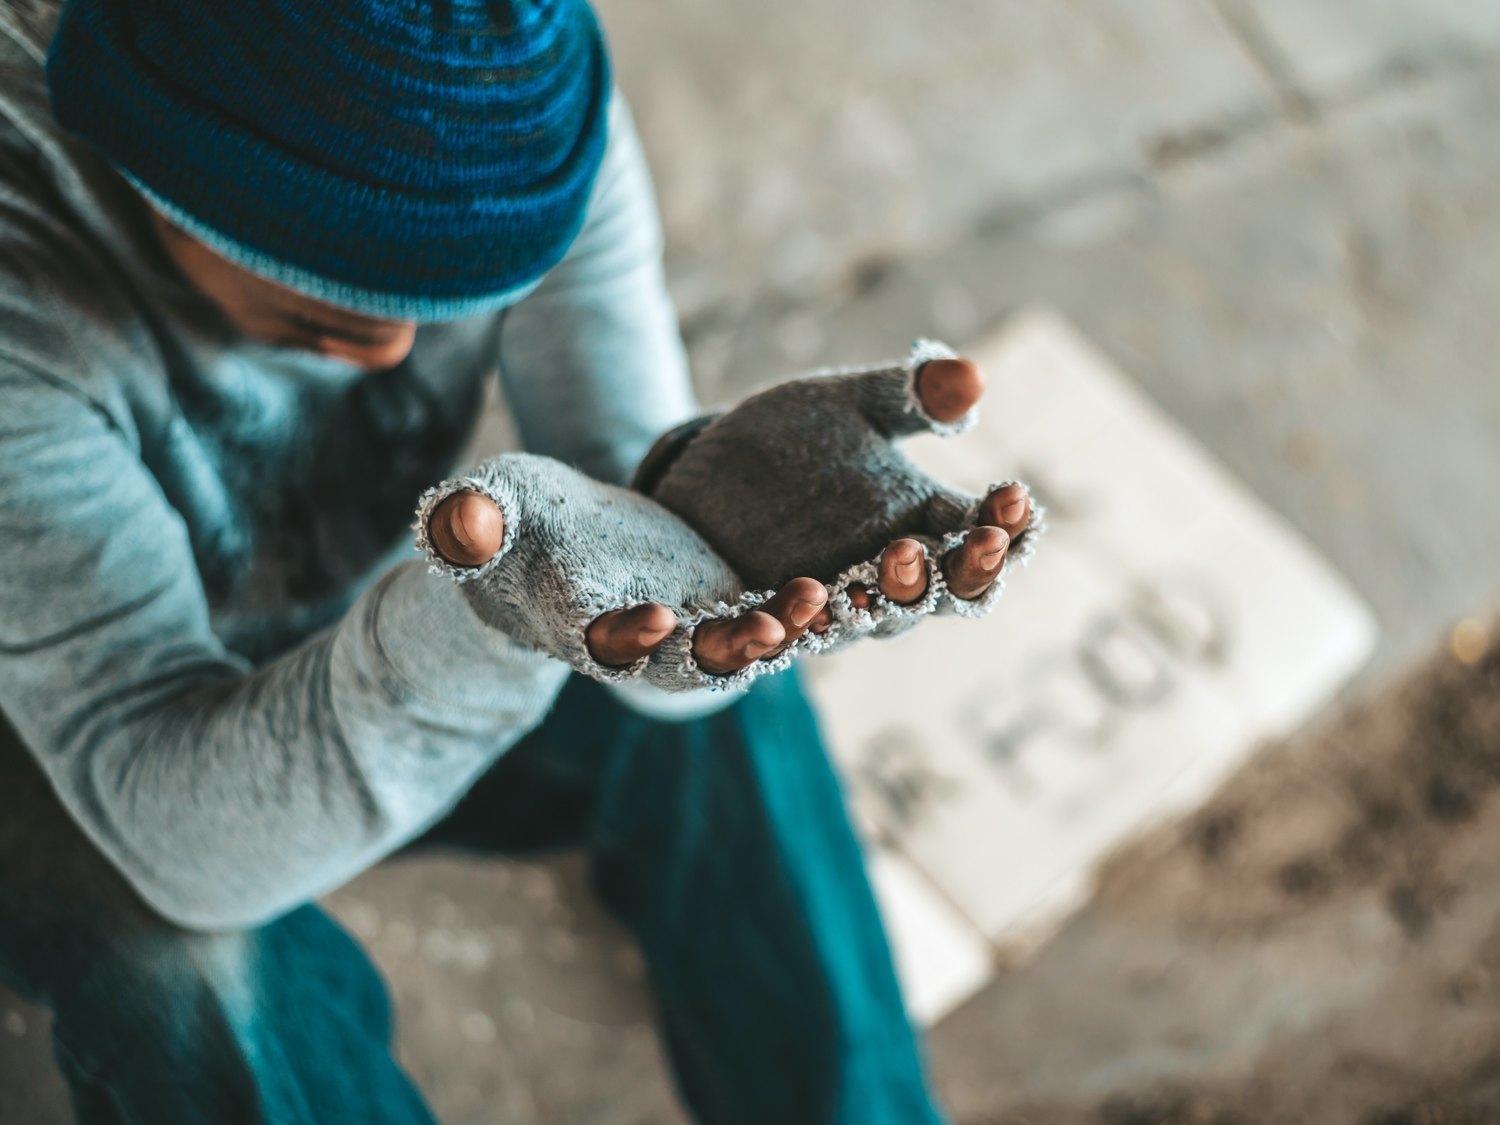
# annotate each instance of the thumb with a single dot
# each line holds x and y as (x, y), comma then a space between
(949, 388)
(466, 529)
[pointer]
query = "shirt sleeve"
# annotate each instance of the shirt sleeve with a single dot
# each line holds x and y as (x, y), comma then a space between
(224, 794)
(591, 361)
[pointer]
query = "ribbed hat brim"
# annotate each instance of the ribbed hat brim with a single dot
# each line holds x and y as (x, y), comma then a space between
(424, 199)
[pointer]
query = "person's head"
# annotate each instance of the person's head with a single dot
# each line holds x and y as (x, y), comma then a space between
(332, 174)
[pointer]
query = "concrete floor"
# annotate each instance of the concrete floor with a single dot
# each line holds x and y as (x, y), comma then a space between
(1282, 217)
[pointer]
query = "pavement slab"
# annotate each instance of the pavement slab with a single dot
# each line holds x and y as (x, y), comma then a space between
(1327, 50)
(520, 1000)
(790, 141)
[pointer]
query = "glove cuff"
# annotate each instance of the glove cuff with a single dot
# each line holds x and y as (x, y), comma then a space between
(664, 451)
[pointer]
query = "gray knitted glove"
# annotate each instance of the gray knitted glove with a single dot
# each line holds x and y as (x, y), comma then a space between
(575, 548)
(804, 478)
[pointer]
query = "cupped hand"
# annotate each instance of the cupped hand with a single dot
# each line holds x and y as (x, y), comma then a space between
(467, 529)
(805, 478)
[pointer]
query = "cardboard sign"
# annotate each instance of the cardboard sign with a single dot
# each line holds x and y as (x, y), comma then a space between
(1168, 623)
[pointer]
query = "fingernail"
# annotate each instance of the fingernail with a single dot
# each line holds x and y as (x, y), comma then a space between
(803, 612)
(991, 561)
(468, 529)
(909, 572)
(1013, 511)
(755, 649)
(648, 637)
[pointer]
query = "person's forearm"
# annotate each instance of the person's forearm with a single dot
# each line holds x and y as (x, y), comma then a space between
(228, 800)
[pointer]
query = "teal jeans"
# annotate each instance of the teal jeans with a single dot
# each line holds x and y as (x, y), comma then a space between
(722, 844)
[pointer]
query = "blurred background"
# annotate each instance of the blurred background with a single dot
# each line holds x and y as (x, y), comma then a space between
(1277, 224)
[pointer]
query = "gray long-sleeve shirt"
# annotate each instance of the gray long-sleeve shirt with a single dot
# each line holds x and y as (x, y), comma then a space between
(214, 635)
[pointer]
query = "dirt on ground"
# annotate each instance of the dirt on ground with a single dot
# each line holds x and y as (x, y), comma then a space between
(1319, 943)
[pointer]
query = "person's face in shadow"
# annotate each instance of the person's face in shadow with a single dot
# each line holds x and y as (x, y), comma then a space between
(271, 313)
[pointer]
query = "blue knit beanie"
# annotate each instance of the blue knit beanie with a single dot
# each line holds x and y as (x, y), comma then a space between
(413, 159)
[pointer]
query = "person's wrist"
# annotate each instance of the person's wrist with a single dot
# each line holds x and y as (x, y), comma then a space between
(665, 450)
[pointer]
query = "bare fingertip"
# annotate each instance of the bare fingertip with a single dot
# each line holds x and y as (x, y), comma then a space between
(651, 636)
(467, 529)
(657, 618)
(949, 388)
(806, 590)
(987, 538)
(803, 612)
(1008, 506)
(903, 550)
